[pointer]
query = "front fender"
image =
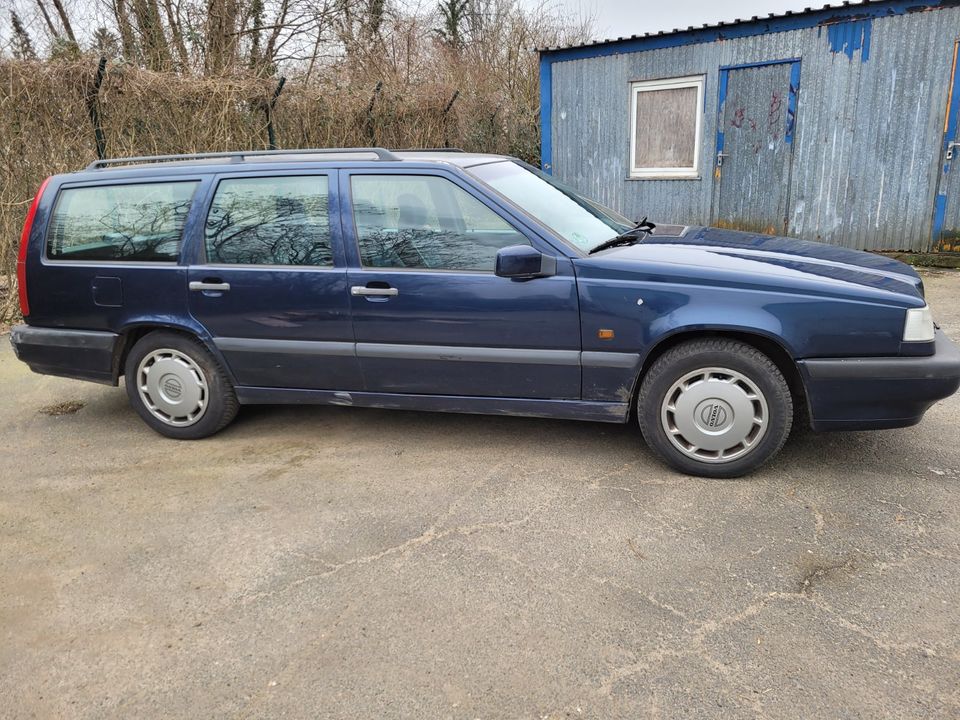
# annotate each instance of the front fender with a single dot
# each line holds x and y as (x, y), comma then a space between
(641, 314)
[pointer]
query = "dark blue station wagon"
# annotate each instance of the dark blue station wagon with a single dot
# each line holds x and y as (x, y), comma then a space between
(455, 282)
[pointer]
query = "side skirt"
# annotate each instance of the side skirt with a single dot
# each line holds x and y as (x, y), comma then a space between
(560, 409)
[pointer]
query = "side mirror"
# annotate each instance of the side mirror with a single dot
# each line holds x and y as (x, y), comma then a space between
(523, 262)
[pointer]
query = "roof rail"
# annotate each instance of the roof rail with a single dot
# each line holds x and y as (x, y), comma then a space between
(428, 150)
(238, 156)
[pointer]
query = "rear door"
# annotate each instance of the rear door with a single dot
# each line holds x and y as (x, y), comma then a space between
(430, 315)
(270, 284)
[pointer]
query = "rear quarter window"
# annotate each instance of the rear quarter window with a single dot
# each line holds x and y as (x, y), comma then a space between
(136, 222)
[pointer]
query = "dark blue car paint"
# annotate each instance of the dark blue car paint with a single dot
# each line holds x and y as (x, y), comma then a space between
(475, 342)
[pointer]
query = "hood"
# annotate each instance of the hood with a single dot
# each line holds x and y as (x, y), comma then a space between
(766, 260)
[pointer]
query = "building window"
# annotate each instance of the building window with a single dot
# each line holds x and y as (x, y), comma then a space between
(666, 118)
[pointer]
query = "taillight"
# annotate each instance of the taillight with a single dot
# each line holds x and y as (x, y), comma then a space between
(22, 257)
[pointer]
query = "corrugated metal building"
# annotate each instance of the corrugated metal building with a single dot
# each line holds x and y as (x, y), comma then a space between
(838, 124)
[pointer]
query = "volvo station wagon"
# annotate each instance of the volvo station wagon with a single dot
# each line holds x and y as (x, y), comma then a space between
(457, 282)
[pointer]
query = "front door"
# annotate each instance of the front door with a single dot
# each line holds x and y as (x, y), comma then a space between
(946, 217)
(270, 284)
(757, 114)
(430, 315)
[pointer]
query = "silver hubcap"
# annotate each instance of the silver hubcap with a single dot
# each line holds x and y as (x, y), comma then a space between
(172, 386)
(714, 415)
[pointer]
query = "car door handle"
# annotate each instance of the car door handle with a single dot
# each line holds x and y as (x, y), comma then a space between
(373, 291)
(199, 286)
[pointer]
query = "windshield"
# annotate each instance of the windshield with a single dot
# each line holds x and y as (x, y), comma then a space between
(581, 222)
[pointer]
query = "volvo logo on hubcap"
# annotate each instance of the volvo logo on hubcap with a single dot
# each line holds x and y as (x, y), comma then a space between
(713, 415)
(172, 387)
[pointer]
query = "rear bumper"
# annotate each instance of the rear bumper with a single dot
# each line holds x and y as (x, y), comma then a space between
(80, 354)
(876, 393)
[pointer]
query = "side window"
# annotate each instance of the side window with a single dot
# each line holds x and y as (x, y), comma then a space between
(142, 222)
(270, 221)
(422, 221)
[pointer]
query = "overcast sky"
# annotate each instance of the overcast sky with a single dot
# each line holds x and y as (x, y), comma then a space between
(611, 18)
(616, 18)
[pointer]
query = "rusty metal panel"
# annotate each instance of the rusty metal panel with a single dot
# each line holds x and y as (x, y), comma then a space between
(869, 135)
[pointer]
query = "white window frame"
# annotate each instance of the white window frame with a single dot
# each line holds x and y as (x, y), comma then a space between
(640, 86)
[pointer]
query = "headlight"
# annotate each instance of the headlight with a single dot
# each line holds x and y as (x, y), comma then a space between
(919, 325)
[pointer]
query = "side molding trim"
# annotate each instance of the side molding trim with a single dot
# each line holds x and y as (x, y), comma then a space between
(444, 353)
(609, 359)
(286, 347)
(468, 354)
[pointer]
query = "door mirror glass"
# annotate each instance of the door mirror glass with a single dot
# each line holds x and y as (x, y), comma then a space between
(525, 262)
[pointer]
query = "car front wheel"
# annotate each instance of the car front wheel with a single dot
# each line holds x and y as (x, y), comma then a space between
(715, 408)
(178, 387)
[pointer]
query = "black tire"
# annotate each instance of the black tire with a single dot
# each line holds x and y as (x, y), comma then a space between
(690, 358)
(218, 404)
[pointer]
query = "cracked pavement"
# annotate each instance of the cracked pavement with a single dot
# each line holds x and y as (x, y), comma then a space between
(331, 562)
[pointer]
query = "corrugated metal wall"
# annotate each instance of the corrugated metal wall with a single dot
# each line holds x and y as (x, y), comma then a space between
(869, 127)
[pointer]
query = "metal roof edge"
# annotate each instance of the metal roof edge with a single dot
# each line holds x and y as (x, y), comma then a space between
(807, 18)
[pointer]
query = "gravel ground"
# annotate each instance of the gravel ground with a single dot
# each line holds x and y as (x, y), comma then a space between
(345, 563)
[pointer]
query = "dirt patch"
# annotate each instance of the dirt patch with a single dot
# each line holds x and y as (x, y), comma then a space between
(67, 407)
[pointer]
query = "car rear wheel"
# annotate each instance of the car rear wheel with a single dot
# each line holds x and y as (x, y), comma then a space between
(715, 408)
(178, 387)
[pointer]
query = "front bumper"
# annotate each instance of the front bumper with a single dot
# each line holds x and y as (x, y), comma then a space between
(874, 393)
(80, 354)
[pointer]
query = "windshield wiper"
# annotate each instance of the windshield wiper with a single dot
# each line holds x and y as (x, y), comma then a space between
(630, 237)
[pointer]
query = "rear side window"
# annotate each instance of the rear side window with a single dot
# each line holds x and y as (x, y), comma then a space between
(142, 222)
(270, 221)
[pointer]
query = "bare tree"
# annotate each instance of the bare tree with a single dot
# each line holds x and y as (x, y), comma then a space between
(221, 36)
(128, 42)
(453, 16)
(270, 52)
(22, 44)
(153, 42)
(68, 28)
(176, 32)
(54, 33)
